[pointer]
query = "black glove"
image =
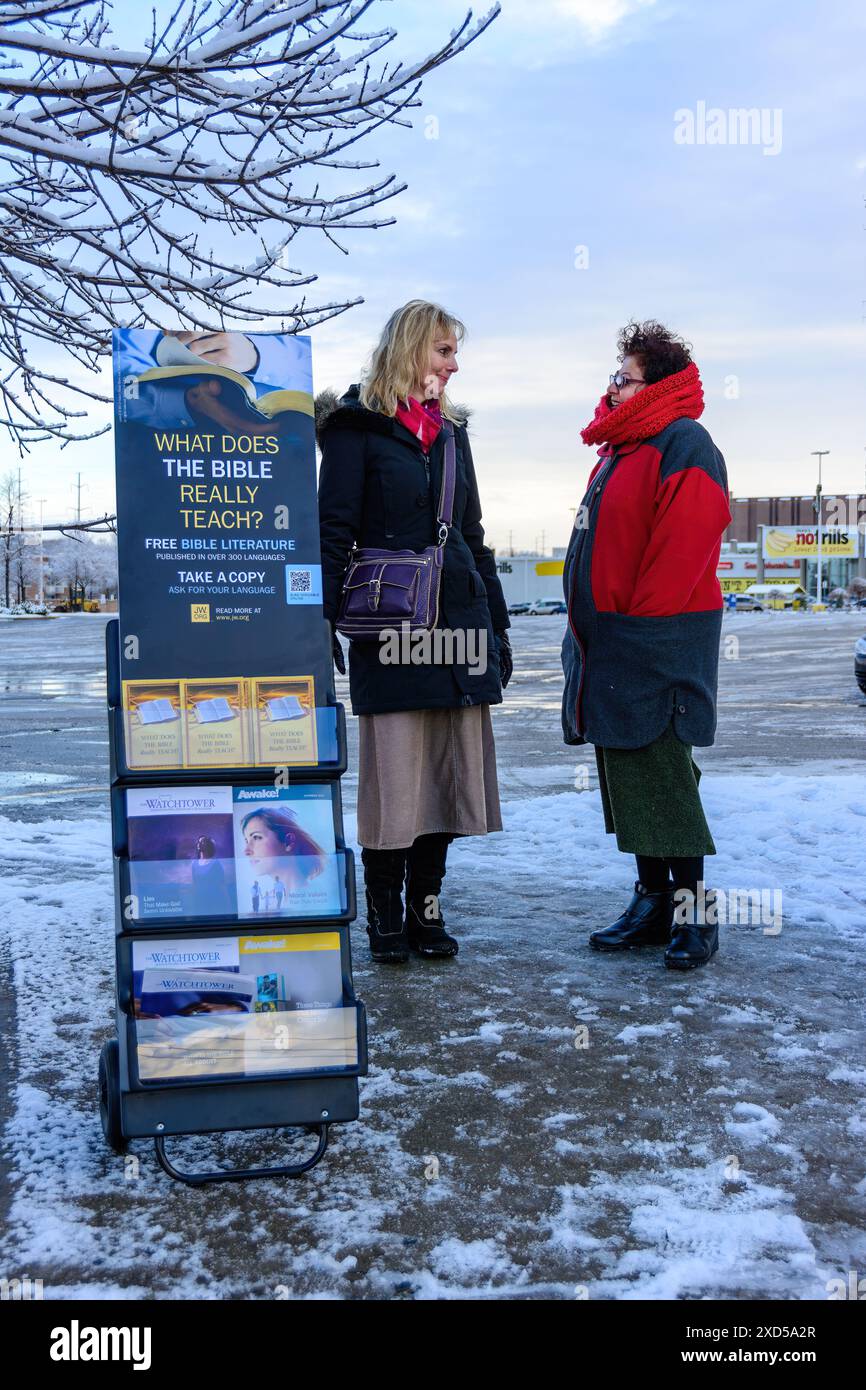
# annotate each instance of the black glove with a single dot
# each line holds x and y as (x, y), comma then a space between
(339, 656)
(506, 660)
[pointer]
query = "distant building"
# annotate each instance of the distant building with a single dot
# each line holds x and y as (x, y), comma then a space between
(748, 513)
(844, 514)
(738, 568)
(529, 576)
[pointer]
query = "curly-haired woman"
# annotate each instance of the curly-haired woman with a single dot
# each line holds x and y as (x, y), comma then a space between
(641, 649)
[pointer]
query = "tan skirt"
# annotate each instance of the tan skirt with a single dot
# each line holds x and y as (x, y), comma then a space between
(426, 771)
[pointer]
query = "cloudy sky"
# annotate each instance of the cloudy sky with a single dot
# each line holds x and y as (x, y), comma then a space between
(571, 185)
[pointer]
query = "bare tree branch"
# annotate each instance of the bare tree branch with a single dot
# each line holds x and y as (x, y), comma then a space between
(167, 183)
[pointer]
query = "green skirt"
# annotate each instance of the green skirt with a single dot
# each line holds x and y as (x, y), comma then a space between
(651, 800)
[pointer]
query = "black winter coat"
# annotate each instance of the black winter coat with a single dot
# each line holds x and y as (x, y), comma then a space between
(374, 491)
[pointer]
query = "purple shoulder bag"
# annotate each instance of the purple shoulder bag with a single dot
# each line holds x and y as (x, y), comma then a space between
(386, 588)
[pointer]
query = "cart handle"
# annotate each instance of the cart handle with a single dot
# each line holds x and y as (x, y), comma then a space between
(288, 1170)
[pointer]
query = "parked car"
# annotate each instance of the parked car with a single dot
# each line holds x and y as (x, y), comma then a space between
(745, 603)
(515, 609)
(544, 607)
(778, 595)
(860, 663)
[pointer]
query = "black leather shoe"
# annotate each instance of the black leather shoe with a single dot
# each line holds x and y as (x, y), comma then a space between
(386, 929)
(427, 935)
(691, 946)
(694, 940)
(646, 922)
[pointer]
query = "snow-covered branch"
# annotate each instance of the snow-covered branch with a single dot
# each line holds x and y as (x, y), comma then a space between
(165, 183)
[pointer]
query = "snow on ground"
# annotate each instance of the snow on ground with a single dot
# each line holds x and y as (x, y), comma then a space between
(707, 1141)
(539, 1121)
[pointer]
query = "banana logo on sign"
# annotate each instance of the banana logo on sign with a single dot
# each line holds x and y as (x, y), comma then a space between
(777, 543)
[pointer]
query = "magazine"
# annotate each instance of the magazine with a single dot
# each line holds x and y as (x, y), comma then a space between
(166, 993)
(181, 852)
(285, 852)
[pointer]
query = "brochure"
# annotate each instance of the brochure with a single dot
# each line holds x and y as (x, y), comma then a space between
(257, 721)
(284, 721)
(153, 724)
(215, 723)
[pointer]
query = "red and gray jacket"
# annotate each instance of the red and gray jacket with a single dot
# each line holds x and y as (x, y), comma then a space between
(644, 603)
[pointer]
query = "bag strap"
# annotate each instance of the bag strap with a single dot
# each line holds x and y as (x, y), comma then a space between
(449, 483)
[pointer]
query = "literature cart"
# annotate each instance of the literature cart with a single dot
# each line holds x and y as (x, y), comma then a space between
(234, 887)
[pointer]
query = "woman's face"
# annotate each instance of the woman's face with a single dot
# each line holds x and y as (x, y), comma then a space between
(264, 844)
(441, 366)
(631, 367)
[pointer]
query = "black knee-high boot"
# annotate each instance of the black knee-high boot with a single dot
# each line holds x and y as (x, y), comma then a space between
(425, 870)
(384, 871)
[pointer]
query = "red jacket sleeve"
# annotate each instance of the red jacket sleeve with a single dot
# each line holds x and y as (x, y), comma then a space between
(678, 571)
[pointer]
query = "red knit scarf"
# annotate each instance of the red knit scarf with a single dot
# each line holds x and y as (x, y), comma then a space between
(424, 421)
(648, 411)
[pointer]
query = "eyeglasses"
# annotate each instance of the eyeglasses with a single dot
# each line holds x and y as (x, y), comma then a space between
(619, 380)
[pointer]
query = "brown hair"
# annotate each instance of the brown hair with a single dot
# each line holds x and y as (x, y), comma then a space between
(660, 352)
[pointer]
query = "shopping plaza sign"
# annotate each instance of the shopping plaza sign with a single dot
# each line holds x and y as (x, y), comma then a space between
(801, 542)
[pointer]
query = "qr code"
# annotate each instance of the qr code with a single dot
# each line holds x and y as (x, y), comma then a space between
(300, 581)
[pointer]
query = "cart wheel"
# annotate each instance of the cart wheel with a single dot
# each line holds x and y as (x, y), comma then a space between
(109, 1096)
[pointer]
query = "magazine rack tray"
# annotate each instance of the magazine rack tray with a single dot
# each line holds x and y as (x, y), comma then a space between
(330, 719)
(155, 925)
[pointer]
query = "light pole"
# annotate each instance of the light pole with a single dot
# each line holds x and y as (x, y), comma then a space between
(819, 454)
(42, 501)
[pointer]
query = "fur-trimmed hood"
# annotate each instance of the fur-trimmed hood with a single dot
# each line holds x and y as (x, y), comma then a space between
(347, 410)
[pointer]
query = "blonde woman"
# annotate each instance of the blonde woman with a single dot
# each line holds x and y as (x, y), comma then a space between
(427, 763)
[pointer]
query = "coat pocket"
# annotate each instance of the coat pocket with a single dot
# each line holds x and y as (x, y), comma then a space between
(476, 585)
(638, 664)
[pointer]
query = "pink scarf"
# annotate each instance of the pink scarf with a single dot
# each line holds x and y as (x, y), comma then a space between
(422, 420)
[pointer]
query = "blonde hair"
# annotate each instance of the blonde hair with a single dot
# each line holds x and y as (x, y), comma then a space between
(402, 356)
